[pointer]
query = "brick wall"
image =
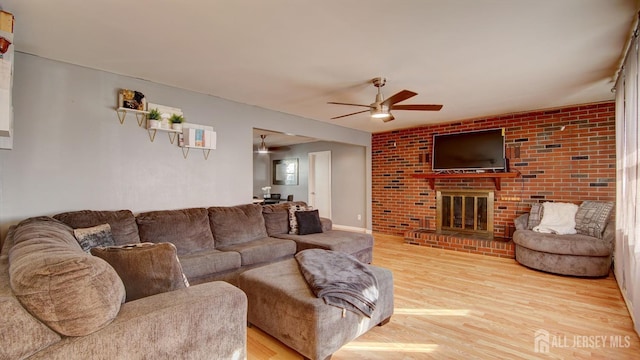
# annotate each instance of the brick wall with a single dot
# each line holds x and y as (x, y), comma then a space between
(570, 165)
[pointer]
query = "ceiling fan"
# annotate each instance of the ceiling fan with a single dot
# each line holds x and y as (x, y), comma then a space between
(264, 149)
(381, 108)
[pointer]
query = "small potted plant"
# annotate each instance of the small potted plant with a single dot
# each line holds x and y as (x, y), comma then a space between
(154, 118)
(176, 121)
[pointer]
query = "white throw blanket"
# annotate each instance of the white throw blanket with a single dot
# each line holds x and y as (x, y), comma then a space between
(558, 218)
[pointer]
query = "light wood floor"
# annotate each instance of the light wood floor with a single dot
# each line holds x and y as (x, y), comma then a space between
(451, 305)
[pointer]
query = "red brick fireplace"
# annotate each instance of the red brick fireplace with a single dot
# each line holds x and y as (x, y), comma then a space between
(565, 154)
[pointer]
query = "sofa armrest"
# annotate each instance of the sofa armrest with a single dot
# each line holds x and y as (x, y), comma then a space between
(199, 322)
(521, 222)
(609, 234)
(327, 224)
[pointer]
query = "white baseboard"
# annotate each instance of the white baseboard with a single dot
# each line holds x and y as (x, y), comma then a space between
(351, 228)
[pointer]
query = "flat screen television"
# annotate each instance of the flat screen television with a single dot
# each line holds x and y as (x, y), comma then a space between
(469, 151)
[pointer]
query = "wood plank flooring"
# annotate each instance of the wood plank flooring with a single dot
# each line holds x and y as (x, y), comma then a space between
(452, 305)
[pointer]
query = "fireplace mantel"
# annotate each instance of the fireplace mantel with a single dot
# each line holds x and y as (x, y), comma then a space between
(486, 175)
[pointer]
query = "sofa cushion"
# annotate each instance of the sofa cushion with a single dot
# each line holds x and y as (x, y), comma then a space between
(72, 292)
(145, 269)
(339, 240)
(236, 224)
(122, 223)
(208, 262)
(276, 222)
(187, 229)
(281, 207)
(535, 215)
(293, 220)
(263, 250)
(94, 236)
(21, 335)
(574, 244)
(308, 222)
(592, 217)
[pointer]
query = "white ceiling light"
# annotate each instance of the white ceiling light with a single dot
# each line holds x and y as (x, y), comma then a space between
(380, 112)
(263, 149)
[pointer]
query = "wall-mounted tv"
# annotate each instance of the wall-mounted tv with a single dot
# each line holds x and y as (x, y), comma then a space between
(469, 151)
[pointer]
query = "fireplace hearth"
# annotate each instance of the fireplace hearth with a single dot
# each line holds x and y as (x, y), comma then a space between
(464, 222)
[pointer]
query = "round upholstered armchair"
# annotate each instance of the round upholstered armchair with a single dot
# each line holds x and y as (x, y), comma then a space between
(587, 252)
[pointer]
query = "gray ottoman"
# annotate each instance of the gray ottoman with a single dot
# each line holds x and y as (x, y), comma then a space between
(282, 305)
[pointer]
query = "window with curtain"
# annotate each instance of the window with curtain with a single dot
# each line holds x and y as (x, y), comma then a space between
(627, 247)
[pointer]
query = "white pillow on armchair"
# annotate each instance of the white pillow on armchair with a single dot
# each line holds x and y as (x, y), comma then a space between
(558, 218)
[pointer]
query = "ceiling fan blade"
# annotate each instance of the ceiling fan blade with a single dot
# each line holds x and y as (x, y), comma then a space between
(391, 117)
(357, 112)
(397, 97)
(421, 107)
(339, 103)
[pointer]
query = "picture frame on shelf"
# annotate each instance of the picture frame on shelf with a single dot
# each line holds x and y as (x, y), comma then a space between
(285, 172)
(131, 99)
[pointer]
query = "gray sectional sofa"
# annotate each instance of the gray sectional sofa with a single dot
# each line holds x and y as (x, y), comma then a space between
(58, 302)
(79, 290)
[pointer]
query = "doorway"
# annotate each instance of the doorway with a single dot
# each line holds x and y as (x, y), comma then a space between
(320, 182)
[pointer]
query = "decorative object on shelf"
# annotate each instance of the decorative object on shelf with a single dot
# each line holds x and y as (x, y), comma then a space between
(164, 122)
(4, 44)
(6, 80)
(153, 118)
(131, 99)
(164, 114)
(199, 137)
(176, 122)
(266, 192)
(285, 172)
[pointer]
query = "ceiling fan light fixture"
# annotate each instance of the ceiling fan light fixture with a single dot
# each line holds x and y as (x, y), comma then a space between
(263, 149)
(380, 112)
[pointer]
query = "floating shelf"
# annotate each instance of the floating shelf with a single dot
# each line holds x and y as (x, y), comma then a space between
(171, 132)
(487, 175)
(205, 150)
(140, 114)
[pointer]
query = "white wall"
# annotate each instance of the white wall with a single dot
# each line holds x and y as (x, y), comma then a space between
(71, 153)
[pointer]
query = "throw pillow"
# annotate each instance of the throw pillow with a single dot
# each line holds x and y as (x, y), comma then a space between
(276, 222)
(308, 222)
(558, 218)
(293, 221)
(94, 236)
(535, 215)
(145, 269)
(592, 217)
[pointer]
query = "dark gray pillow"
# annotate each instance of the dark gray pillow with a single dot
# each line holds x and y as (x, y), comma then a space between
(308, 222)
(94, 236)
(592, 217)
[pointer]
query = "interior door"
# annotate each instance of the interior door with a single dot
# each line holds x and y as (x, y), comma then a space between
(320, 182)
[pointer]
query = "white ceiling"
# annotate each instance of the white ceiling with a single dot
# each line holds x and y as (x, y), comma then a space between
(476, 57)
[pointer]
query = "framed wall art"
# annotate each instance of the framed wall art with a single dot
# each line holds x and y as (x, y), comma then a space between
(285, 172)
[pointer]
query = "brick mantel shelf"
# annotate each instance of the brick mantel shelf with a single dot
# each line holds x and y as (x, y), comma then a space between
(485, 175)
